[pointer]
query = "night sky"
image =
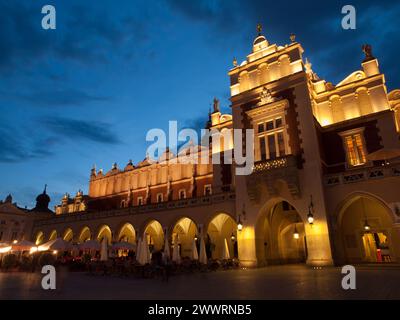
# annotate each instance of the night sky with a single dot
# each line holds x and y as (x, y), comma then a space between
(88, 92)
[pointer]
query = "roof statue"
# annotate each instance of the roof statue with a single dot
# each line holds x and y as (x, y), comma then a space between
(259, 28)
(216, 105)
(367, 49)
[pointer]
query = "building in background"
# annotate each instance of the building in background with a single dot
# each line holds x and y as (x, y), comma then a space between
(325, 183)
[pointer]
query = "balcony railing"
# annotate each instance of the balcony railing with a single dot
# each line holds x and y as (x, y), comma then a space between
(267, 165)
(365, 174)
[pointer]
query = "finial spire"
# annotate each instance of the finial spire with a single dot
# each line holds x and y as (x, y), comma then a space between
(235, 63)
(259, 28)
(45, 189)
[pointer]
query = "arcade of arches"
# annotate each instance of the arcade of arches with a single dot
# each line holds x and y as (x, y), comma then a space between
(364, 231)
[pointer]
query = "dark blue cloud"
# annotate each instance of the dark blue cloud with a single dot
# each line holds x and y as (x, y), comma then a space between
(61, 98)
(78, 130)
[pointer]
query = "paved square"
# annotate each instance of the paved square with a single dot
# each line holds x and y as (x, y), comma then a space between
(280, 282)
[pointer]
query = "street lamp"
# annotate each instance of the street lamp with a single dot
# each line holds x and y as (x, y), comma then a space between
(310, 216)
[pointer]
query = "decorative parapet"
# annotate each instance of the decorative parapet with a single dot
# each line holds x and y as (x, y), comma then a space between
(267, 173)
(151, 208)
(363, 175)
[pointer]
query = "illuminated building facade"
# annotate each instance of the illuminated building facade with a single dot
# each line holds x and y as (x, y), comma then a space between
(325, 183)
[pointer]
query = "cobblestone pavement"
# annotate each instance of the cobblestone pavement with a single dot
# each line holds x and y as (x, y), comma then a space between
(281, 282)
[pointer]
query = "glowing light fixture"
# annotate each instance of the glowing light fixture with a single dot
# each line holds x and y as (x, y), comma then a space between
(196, 238)
(310, 216)
(367, 227)
(233, 238)
(55, 252)
(33, 250)
(15, 241)
(296, 234)
(240, 225)
(5, 249)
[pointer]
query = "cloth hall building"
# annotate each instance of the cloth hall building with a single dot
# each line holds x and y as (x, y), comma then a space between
(325, 187)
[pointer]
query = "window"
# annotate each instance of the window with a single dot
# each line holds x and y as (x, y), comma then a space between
(140, 201)
(272, 141)
(281, 144)
(122, 204)
(182, 194)
(263, 149)
(355, 147)
(159, 197)
(261, 128)
(271, 146)
(3, 222)
(270, 125)
(1, 235)
(207, 190)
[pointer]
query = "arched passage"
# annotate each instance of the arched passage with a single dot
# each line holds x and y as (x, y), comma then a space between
(280, 235)
(127, 233)
(68, 235)
(85, 235)
(184, 231)
(155, 235)
(221, 227)
(366, 231)
(104, 232)
(53, 235)
(39, 239)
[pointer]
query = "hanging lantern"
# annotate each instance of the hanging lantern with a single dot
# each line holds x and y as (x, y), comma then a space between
(367, 227)
(240, 225)
(310, 216)
(296, 234)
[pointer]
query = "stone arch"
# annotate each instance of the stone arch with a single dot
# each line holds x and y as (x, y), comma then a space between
(154, 232)
(365, 230)
(53, 235)
(126, 232)
(221, 226)
(39, 238)
(68, 235)
(184, 230)
(280, 234)
(85, 234)
(104, 231)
